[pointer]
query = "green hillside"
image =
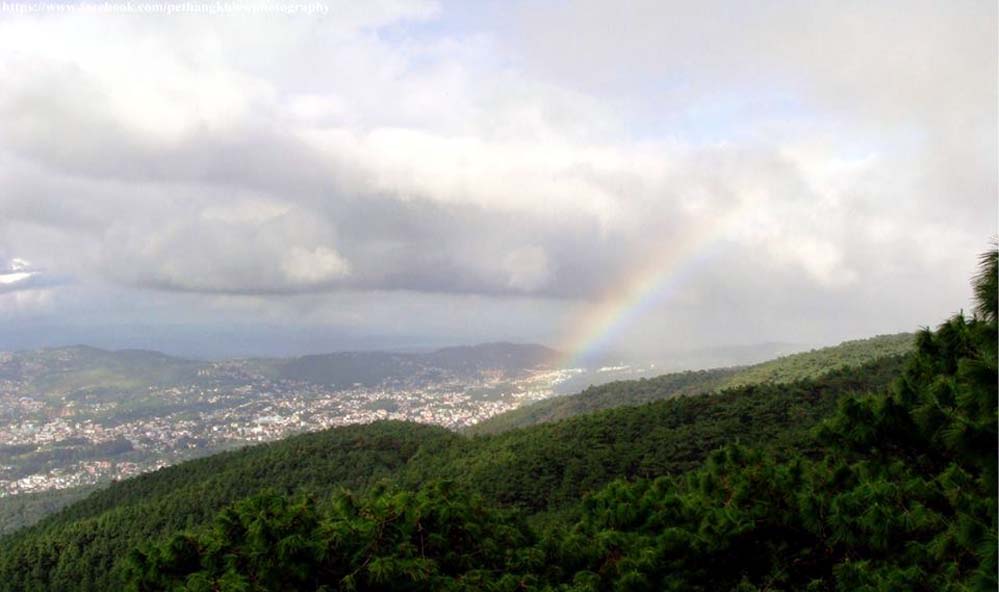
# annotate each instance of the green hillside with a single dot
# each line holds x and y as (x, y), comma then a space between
(548, 466)
(817, 362)
(59, 371)
(785, 369)
(895, 490)
(128, 513)
(544, 468)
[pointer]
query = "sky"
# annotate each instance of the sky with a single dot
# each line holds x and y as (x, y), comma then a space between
(636, 177)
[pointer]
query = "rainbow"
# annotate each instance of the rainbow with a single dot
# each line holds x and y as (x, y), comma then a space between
(637, 292)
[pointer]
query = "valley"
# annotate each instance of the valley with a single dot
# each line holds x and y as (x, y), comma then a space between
(76, 419)
(81, 416)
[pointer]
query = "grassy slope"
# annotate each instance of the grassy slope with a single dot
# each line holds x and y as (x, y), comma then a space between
(785, 369)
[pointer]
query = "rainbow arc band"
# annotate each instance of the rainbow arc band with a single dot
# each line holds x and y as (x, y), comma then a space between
(643, 288)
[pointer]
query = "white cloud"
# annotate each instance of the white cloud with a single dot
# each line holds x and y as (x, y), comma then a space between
(314, 266)
(387, 148)
(17, 274)
(14, 277)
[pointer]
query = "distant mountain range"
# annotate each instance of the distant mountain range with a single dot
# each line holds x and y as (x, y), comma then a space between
(60, 370)
(370, 368)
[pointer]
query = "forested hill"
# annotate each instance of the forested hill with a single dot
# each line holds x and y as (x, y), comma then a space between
(540, 469)
(881, 477)
(815, 363)
(895, 490)
(811, 364)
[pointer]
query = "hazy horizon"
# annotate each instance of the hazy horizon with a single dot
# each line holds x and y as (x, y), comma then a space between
(698, 358)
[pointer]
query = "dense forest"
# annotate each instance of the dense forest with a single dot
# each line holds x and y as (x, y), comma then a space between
(874, 477)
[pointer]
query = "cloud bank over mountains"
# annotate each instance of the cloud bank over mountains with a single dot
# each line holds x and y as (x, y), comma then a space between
(503, 164)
